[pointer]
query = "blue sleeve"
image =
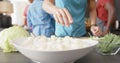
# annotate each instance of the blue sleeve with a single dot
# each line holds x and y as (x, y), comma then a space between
(28, 19)
(51, 16)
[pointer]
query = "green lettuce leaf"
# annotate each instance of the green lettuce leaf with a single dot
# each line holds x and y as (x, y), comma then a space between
(9, 34)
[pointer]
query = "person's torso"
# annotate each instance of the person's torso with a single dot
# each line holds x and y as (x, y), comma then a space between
(37, 14)
(102, 13)
(42, 22)
(77, 10)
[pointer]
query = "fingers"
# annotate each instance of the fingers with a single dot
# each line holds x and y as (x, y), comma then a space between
(62, 16)
(99, 33)
(68, 15)
(96, 31)
(56, 18)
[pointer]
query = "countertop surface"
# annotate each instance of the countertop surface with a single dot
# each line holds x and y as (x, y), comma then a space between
(92, 57)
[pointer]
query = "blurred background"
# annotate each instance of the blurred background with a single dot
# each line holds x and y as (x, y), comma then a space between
(12, 13)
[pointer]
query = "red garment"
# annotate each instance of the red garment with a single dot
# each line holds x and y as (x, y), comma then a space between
(25, 14)
(102, 13)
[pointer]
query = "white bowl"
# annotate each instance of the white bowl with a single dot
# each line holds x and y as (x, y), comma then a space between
(66, 56)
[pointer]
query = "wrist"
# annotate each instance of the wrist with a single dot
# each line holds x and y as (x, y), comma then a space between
(94, 25)
(54, 9)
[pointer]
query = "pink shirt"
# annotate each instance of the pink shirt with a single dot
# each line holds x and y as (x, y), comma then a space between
(25, 14)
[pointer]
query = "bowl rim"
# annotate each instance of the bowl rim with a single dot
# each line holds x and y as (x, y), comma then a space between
(16, 46)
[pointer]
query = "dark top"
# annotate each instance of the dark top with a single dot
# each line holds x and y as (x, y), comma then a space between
(117, 8)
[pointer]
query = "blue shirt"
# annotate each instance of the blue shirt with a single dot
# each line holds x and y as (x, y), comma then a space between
(41, 22)
(77, 9)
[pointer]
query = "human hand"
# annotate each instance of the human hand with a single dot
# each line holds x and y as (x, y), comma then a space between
(96, 31)
(105, 32)
(62, 16)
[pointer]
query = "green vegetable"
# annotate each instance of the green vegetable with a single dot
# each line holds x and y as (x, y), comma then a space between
(108, 43)
(9, 34)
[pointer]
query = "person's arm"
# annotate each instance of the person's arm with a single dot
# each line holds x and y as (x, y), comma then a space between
(93, 15)
(61, 15)
(92, 11)
(49, 6)
(110, 8)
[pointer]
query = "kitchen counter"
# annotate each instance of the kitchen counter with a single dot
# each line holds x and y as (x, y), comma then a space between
(92, 57)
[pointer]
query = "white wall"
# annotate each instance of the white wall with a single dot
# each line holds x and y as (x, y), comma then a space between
(17, 16)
